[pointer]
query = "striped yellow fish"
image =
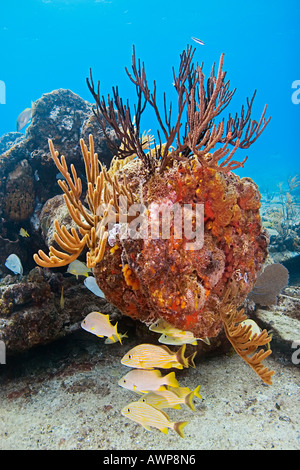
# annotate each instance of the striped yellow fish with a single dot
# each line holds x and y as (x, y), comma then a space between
(162, 326)
(187, 338)
(148, 416)
(149, 356)
(143, 381)
(169, 399)
(174, 336)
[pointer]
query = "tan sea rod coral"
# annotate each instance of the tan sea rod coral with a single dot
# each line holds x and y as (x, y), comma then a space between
(149, 277)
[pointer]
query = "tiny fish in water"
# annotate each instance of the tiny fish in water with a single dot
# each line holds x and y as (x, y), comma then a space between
(170, 399)
(198, 41)
(143, 381)
(149, 356)
(23, 233)
(13, 263)
(91, 284)
(99, 324)
(62, 299)
(148, 416)
(23, 119)
(78, 269)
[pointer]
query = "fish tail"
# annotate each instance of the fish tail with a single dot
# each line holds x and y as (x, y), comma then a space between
(196, 392)
(190, 360)
(180, 356)
(117, 334)
(171, 379)
(178, 427)
(189, 398)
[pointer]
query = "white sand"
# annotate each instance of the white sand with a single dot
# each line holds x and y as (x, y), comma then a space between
(74, 402)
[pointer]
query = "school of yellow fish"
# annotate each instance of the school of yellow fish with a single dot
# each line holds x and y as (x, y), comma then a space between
(157, 391)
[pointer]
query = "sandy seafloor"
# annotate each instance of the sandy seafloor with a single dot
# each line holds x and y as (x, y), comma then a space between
(66, 396)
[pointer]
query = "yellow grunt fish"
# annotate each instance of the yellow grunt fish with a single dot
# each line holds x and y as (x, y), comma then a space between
(162, 326)
(174, 336)
(143, 381)
(149, 356)
(99, 324)
(148, 416)
(180, 340)
(169, 399)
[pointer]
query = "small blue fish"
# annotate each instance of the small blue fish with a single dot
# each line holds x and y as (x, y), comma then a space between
(198, 41)
(24, 118)
(91, 284)
(13, 263)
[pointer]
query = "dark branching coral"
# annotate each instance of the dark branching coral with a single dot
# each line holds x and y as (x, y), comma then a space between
(202, 106)
(149, 278)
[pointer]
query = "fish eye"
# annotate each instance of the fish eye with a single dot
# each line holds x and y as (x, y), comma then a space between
(129, 356)
(128, 410)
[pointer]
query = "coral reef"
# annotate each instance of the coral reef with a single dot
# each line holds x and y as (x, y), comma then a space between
(31, 313)
(280, 215)
(20, 196)
(160, 277)
(28, 176)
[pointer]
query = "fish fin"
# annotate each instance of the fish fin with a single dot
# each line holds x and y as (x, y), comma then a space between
(194, 343)
(157, 373)
(117, 334)
(112, 339)
(176, 407)
(190, 360)
(161, 388)
(189, 398)
(196, 392)
(165, 348)
(180, 356)
(164, 430)
(146, 427)
(170, 365)
(172, 379)
(100, 336)
(179, 426)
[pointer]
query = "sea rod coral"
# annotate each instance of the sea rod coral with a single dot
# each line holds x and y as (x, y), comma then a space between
(197, 288)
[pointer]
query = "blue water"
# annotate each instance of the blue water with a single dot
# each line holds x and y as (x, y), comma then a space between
(50, 44)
